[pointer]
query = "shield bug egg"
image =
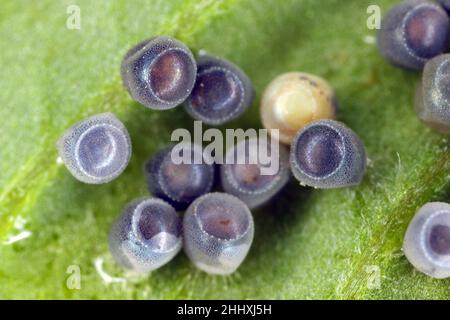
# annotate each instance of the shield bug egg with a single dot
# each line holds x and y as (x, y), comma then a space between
(427, 240)
(293, 100)
(222, 91)
(327, 154)
(97, 149)
(180, 183)
(159, 73)
(243, 174)
(218, 232)
(146, 236)
(413, 32)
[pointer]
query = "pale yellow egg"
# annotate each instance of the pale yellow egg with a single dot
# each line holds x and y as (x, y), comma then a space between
(293, 100)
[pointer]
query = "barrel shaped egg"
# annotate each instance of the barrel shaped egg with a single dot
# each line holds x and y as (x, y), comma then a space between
(159, 73)
(179, 181)
(218, 231)
(97, 149)
(427, 240)
(222, 91)
(255, 170)
(294, 99)
(327, 154)
(413, 32)
(433, 94)
(146, 236)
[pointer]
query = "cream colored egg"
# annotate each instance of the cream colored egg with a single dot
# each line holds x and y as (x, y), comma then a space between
(294, 99)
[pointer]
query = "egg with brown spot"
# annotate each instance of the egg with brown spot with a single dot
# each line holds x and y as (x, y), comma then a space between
(294, 99)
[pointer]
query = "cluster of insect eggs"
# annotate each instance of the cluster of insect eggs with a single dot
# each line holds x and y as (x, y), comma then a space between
(414, 35)
(324, 153)
(149, 233)
(161, 73)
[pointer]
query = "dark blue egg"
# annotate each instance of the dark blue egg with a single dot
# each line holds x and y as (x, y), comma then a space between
(159, 73)
(327, 154)
(179, 183)
(413, 32)
(427, 240)
(222, 91)
(246, 179)
(97, 149)
(218, 232)
(433, 94)
(146, 236)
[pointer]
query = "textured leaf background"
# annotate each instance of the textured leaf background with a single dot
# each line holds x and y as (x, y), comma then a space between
(308, 244)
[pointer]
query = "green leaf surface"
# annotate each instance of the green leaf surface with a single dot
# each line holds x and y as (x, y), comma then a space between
(308, 244)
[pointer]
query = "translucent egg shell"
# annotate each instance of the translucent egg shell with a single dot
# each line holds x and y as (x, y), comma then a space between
(97, 149)
(146, 236)
(246, 180)
(433, 95)
(413, 32)
(159, 73)
(427, 240)
(295, 99)
(222, 91)
(179, 184)
(327, 154)
(218, 232)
